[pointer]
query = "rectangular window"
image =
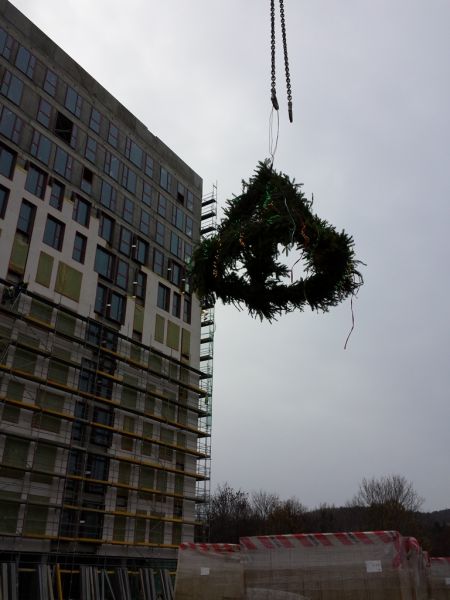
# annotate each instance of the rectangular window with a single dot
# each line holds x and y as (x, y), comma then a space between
(41, 147)
(160, 233)
(26, 218)
(50, 83)
(133, 152)
(81, 211)
(129, 179)
(104, 263)
(54, 233)
(187, 252)
(162, 206)
(12, 87)
(73, 101)
(44, 113)
(57, 195)
(188, 229)
(190, 201)
(113, 135)
(25, 62)
(112, 166)
(110, 304)
(125, 242)
(36, 182)
(178, 218)
(144, 223)
(122, 274)
(158, 261)
(163, 300)
(95, 120)
(79, 248)
(4, 194)
(108, 196)
(176, 305)
(148, 168)
(139, 284)
(7, 44)
(87, 177)
(176, 244)
(106, 228)
(176, 273)
(140, 251)
(7, 161)
(180, 192)
(63, 163)
(165, 179)
(147, 193)
(65, 129)
(187, 308)
(90, 151)
(128, 210)
(10, 125)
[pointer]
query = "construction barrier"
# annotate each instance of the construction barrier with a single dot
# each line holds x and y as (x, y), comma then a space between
(439, 578)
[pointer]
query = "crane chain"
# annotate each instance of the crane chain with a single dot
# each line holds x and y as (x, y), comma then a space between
(286, 58)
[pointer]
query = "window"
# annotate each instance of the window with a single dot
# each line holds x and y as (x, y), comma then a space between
(50, 83)
(175, 273)
(73, 101)
(178, 218)
(7, 161)
(108, 196)
(176, 244)
(104, 263)
(41, 147)
(79, 248)
(148, 168)
(25, 62)
(163, 300)
(180, 192)
(110, 304)
(140, 251)
(128, 210)
(4, 193)
(187, 307)
(122, 274)
(129, 179)
(106, 228)
(112, 165)
(54, 233)
(125, 242)
(63, 163)
(57, 195)
(190, 201)
(36, 181)
(158, 261)
(44, 113)
(139, 284)
(162, 206)
(165, 179)
(87, 177)
(147, 193)
(90, 151)
(189, 224)
(133, 152)
(100, 436)
(95, 120)
(26, 218)
(12, 87)
(187, 252)
(81, 211)
(113, 135)
(7, 44)
(144, 223)
(176, 305)
(10, 125)
(65, 129)
(160, 233)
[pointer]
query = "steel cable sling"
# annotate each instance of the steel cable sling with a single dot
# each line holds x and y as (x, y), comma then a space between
(286, 58)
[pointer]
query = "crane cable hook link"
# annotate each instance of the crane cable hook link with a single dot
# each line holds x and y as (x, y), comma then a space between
(286, 59)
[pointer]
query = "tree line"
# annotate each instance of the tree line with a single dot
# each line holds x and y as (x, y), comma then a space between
(386, 503)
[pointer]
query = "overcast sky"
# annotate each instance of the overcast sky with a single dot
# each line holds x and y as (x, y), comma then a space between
(293, 412)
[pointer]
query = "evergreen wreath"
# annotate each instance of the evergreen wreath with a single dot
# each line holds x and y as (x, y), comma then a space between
(239, 264)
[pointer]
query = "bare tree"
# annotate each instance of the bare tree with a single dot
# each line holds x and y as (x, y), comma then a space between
(390, 490)
(263, 504)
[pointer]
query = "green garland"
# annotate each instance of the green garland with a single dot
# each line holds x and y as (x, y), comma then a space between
(239, 263)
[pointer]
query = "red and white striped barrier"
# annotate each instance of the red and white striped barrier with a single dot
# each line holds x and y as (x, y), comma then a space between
(310, 540)
(211, 548)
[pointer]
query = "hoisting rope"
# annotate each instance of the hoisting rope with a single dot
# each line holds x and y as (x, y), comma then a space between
(286, 59)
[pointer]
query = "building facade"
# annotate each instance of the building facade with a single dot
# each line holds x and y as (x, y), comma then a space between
(104, 411)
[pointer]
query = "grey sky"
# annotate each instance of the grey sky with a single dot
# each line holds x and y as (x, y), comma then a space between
(293, 412)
